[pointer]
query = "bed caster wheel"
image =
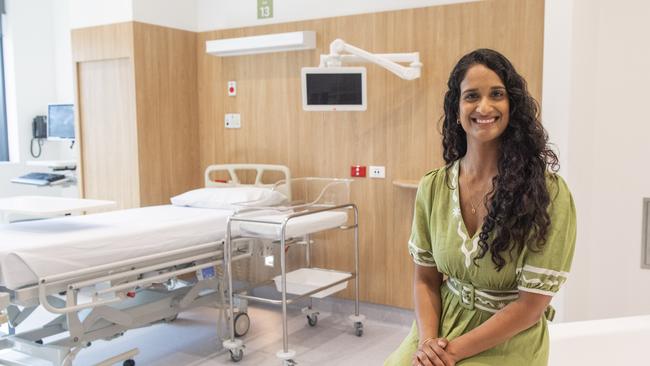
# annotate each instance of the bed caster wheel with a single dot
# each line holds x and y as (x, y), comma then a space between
(236, 355)
(38, 341)
(358, 329)
(242, 324)
(312, 320)
(128, 363)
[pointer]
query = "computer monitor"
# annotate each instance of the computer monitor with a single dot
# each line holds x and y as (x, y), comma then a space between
(60, 122)
(334, 88)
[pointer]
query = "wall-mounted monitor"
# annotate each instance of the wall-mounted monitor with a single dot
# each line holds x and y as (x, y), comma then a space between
(60, 122)
(334, 88)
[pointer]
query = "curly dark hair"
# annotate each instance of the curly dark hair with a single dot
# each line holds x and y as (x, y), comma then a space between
(517, 204)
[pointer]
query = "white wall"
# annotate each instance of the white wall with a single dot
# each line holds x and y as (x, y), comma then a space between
(180, 14)
(88, 13)
(33, 58)
(598, 115)
(213, 14)
(556, 89)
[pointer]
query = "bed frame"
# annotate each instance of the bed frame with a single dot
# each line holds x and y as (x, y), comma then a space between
(105, 301)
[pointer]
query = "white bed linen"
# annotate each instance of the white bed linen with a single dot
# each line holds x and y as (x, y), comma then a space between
(296, 227)
(29, 250)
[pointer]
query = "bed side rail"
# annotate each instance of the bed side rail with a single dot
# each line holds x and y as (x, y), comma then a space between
(124, 277)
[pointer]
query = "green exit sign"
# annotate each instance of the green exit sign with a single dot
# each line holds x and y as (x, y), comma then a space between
(264, 9)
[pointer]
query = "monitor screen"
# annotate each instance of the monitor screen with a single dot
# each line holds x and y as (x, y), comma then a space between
(334, 89)
(60, 122)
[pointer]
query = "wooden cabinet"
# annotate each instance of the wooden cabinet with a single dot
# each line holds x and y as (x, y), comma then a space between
(137, 122)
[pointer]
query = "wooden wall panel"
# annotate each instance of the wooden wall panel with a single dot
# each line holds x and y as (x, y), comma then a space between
(162, 134)
(400, 129)
(166, 99)
(102, 42)
(109, 152)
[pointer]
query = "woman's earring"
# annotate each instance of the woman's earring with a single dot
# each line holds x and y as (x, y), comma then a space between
(458, 121)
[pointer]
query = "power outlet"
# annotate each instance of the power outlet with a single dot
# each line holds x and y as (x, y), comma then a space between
(232, 120)
(377, 171)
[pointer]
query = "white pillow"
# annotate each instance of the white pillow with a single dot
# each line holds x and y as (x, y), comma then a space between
(229, 198)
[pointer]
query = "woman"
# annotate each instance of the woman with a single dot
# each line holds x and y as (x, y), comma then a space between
(496, 221)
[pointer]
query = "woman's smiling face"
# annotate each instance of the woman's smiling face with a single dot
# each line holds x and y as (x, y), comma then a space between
(484, 108)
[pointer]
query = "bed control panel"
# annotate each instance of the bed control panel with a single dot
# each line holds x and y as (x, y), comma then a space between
(206, 273)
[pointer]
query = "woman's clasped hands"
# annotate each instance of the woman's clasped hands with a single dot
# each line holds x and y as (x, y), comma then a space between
(432, 352)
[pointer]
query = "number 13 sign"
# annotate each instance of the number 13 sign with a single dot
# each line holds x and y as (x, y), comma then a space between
(264, 9)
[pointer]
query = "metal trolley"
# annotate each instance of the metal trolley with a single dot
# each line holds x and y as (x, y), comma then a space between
(326, 201)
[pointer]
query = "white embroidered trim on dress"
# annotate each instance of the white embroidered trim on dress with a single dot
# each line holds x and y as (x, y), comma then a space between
(543, 271)
(423, 264)
(417, 249)
(534, 290)
(463, 248)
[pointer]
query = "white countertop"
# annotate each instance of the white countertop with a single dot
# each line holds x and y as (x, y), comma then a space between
(45, 206)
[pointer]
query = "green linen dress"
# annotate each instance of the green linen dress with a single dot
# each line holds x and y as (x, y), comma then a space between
(439, 239)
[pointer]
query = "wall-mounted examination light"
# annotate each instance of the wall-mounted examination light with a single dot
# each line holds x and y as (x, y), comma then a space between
(278, 42)
(334, 87)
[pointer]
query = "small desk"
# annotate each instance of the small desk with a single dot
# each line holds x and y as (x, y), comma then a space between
(46, 207)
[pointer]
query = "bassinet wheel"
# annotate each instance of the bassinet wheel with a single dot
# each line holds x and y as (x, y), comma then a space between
(358, 329)
(312, 320)
(242, 324)
(236, 355)
(128, 363)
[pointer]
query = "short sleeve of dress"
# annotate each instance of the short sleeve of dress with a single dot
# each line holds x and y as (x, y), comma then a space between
(543, 271)
(419, 244)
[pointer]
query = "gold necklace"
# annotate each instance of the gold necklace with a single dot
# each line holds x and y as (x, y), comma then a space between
(474, 208)
(477, 201)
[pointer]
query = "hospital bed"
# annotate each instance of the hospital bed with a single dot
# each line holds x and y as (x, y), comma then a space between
(106, 273)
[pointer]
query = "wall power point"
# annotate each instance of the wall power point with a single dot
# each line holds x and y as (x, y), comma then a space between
(376, 171)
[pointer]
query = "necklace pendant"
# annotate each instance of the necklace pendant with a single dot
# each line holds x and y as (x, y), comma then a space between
(473, 210)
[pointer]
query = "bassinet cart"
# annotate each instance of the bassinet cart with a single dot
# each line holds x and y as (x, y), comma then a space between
(317, 204)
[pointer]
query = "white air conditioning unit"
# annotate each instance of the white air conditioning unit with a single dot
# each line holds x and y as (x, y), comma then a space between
(279, 42)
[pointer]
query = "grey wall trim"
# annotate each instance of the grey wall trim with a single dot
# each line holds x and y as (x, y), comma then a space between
(645, 243)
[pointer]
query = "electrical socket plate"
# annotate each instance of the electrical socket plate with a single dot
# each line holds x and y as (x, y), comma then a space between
(376, 171)
(232, 120)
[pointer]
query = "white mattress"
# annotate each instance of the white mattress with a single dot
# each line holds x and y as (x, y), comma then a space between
(34, 249)
(296, 227)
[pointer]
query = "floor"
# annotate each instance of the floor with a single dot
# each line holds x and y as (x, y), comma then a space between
(192, 339)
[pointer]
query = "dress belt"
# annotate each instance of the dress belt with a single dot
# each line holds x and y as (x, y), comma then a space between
(488, 300)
